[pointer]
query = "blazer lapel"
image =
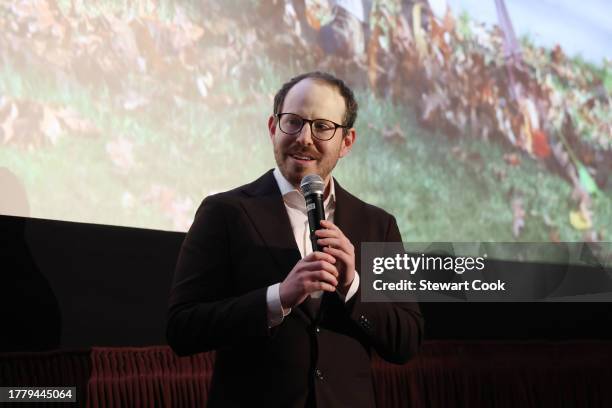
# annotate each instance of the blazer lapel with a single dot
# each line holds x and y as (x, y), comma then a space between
(266, 210)
(346, 217)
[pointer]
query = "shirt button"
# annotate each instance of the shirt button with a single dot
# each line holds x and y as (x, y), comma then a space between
(318, 330)
(319, 374)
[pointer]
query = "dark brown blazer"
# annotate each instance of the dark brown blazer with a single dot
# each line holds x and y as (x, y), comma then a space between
(240, 243)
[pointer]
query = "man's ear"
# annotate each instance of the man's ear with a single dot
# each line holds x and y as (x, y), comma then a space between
(272, 126)
(347, 142)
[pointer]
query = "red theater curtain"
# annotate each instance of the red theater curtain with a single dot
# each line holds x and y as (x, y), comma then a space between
(147, 377)
(445, 374)
(499, 374)
(66, 368)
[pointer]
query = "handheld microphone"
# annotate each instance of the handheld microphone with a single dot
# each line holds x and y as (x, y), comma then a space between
(312, 187)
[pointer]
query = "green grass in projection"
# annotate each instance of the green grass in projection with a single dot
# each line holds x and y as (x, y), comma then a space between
(439, 188)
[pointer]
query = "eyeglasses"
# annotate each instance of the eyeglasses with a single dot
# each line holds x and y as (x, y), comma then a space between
(321, 129)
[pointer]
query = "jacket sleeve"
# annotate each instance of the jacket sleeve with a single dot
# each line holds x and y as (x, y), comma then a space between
(204, 313)
(395, 329)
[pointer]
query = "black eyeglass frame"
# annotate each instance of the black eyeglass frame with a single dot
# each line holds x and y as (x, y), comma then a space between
(309, 121)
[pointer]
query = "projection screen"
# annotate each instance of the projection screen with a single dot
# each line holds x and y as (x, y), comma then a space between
(479, 120)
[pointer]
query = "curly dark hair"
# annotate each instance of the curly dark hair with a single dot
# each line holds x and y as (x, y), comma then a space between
(350, 114)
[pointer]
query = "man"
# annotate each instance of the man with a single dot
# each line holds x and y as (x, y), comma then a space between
(247, 284)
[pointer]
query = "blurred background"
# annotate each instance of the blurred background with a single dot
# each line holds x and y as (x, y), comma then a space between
(479, 120)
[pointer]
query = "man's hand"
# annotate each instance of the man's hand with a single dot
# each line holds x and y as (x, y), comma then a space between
(315, 272)
(335, 243)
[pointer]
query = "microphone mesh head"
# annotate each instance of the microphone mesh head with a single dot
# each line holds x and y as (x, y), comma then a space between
(312, 184)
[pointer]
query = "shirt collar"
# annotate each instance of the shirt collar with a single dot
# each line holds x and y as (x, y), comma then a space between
(288, 190)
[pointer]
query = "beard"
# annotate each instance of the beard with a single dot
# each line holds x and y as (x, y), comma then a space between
(322, 163)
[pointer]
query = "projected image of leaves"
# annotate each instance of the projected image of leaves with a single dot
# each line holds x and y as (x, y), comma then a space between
(130, 113)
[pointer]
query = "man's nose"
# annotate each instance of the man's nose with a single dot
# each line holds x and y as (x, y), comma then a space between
(305, 135)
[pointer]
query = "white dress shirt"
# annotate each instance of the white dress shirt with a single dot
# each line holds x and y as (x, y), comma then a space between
(296, 209)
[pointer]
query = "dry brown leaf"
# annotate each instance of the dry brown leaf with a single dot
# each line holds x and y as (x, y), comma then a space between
(123, 40)
(372, 57)
(184, 32)
(149, 39)
(77, 124)
(38, 15)
(512, 159)
(432, 103)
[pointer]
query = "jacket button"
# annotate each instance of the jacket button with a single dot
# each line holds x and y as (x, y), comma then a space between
(318, 330)
(319, 374)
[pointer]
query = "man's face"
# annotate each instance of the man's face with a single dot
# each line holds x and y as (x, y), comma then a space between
(300, 154)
